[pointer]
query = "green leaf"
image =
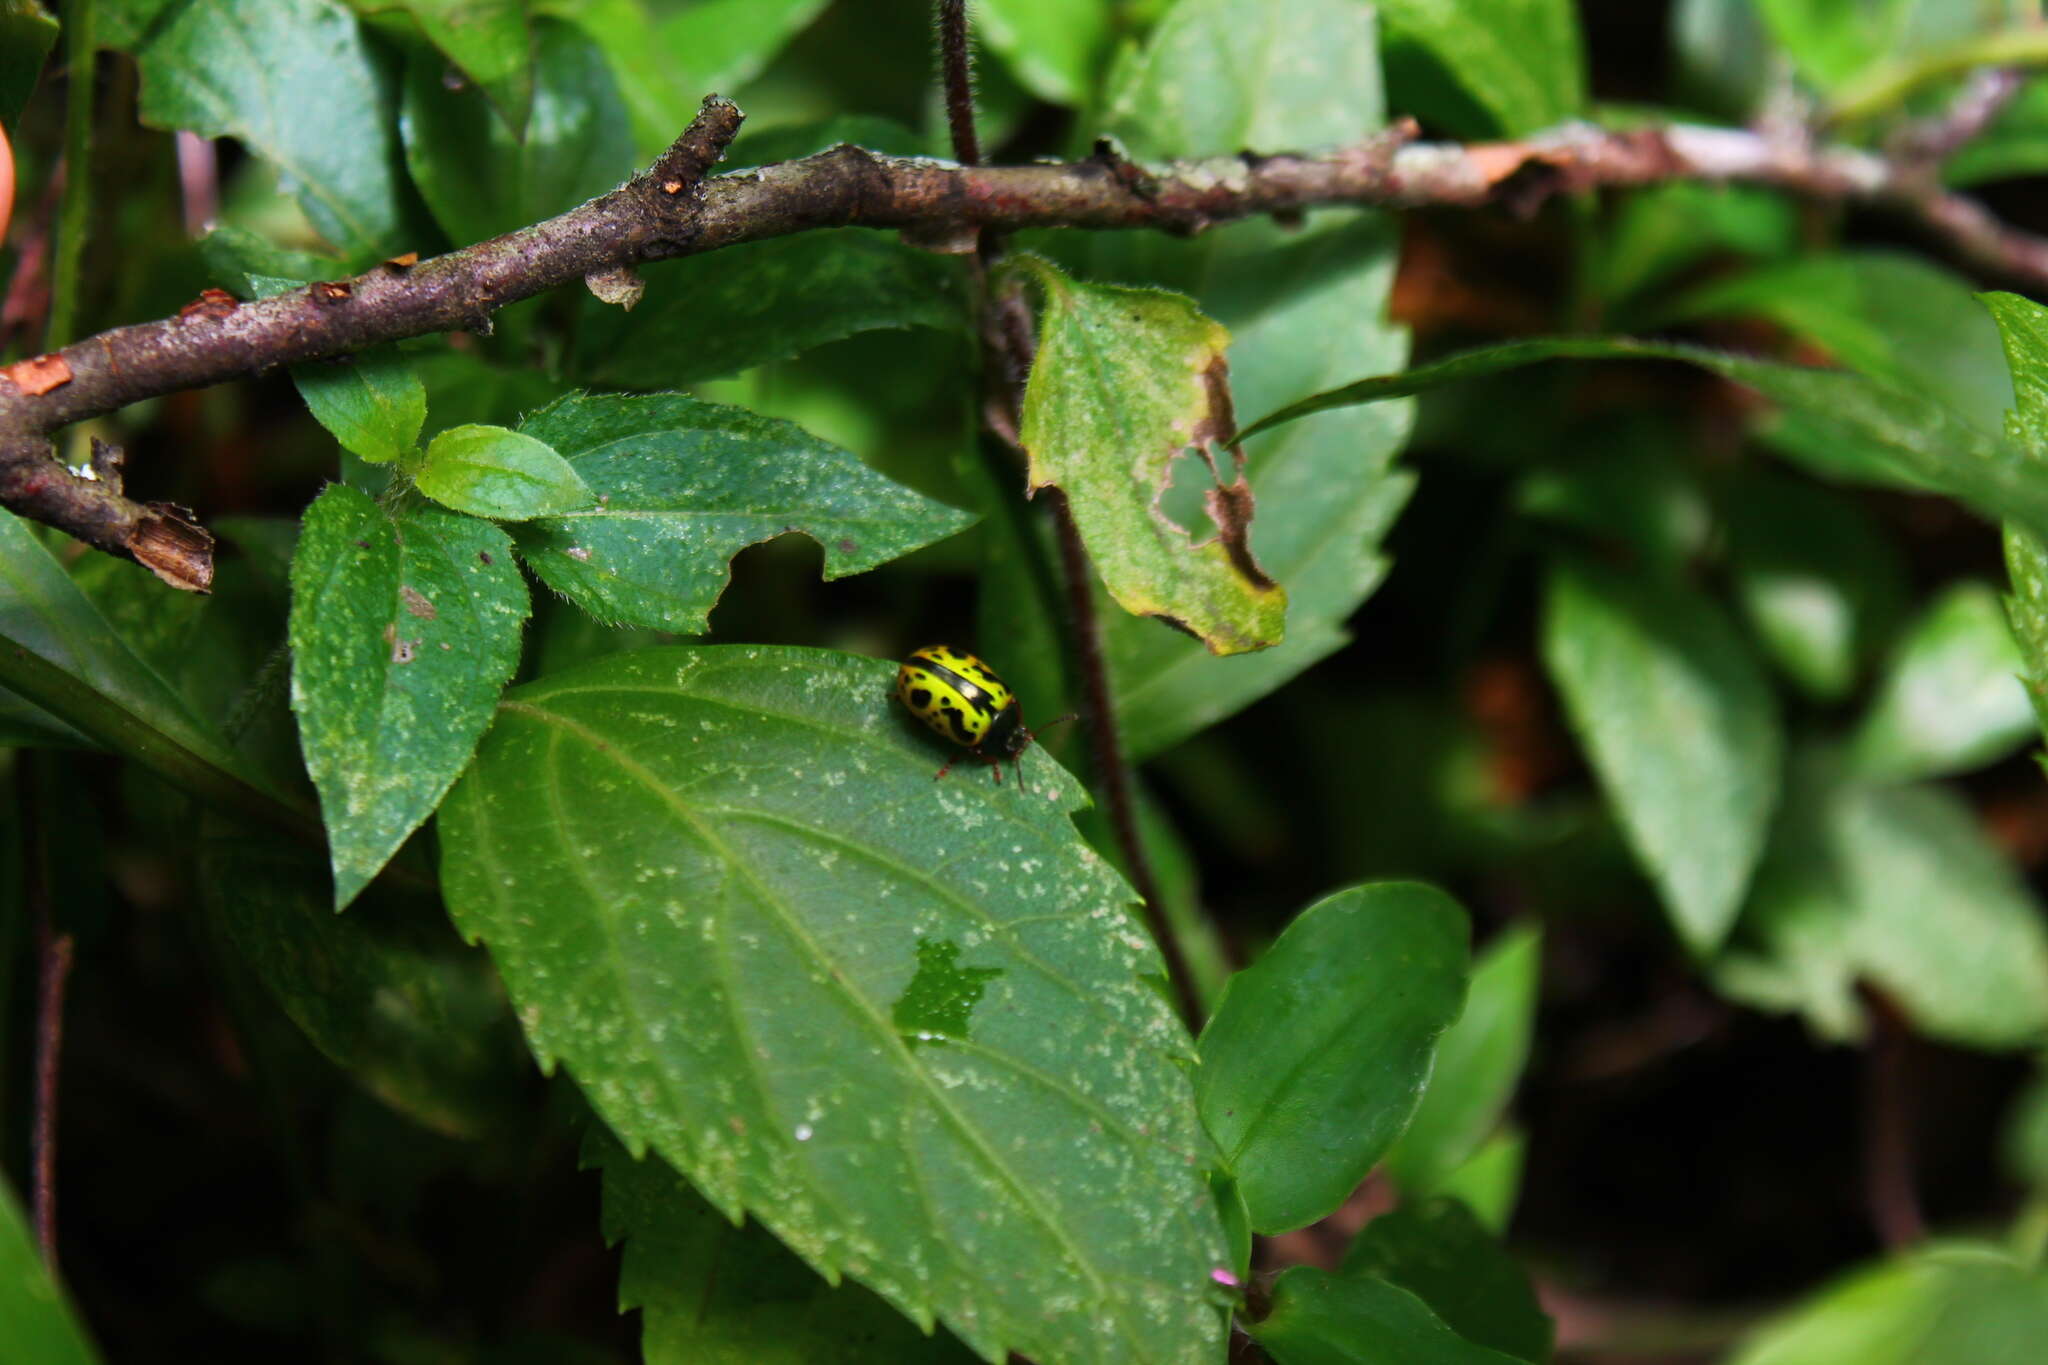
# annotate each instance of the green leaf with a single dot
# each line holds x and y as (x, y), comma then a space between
(1442, 1254)
(1956, 1303)
(1660, 230)
(1478, 1062)
(1679, 724)
(1220, 76)
(492, 471)
(1820, 583)
(40, 1325)
(402, 631)
(1878, 433)
(2016, 143)
(1844, 895)
(1520, 60)
(1976, 973)
(59, 652)
(27, 33)
(740, 851)
(386, 992)
(1894, 317)
(1056, 47)
(1317, 1054)
(2026, 560)
(1491, 1179)
(666, 66)
(295, 81)
(1124, 381)
(712, 1293)
(374, 404)
(1951, 700)
(248, 265)
(479, 176)
(772, 300)
(2023, 1141)
(491, 43)
(1834, 42)
(1722, 56)
(1322, 1319)
(1304, 306)
(682, 485)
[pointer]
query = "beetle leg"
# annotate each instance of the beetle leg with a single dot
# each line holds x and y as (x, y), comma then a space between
(946, 769)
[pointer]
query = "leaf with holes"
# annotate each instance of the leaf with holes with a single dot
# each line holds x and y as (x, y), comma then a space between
(1125, 381)
(682, 485)
(402, 631)
(906, 1025)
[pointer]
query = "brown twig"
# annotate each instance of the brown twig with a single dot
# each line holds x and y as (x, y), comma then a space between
(53, 969)
(665, 214)
(1888, 1126)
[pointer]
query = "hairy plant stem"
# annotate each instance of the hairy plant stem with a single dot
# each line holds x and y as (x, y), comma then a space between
(74, 213)
(1007, 337)
(53, 970)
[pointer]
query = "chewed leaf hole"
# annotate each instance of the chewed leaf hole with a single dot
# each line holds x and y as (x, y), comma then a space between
(1188, 479)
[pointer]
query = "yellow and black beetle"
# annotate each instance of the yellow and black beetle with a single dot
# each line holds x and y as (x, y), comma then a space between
(964, 700)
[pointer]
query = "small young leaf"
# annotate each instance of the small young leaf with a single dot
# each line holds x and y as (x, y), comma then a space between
(251, 69)
(40, 1325)
(1318, 1052)
(374, 404)
(490, 471)
(1490, 1180)
(402, 631)
(1125, 380)
(765, 893)
(1439, 1252)
(711, 1293)
(1478, 1061)
(1952, 699)
(1322, 1319)
(682, 485)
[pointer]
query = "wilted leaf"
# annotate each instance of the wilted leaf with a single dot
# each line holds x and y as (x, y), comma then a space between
(1124, 381)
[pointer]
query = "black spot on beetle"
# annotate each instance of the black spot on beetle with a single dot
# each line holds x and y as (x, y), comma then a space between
(920, 700)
